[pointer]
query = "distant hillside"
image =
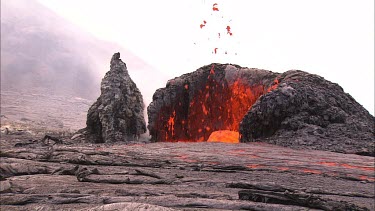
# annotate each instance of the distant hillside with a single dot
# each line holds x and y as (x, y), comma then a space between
(42, 52)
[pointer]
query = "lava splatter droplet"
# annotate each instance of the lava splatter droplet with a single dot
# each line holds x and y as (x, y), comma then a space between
(229, 31)
(214, 7)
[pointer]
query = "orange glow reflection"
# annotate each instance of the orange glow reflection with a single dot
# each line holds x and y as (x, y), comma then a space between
(224, 136)
(312, 171)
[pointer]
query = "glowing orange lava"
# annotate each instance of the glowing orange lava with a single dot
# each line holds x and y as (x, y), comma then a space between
(212, 71)
(225, 136)
(312, 171)
(274, 86)
(211, 110)
(363, 177)
(229, 31)
(214, 7)
(203, 24)
(364, 168)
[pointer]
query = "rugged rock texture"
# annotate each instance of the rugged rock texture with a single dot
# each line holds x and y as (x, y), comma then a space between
(215, 97)
(307, 111)
(117, 115)
(67, 175)
(129, 206)
(294, 109)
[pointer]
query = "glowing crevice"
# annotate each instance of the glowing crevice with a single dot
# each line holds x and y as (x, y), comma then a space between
(211, 106)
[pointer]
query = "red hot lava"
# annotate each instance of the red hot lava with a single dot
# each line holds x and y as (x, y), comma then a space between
(226, 136)
(229, 31)
(203, 24)
(214, 7)
(212, 104)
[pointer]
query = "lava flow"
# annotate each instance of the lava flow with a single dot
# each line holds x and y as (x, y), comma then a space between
(211, 110)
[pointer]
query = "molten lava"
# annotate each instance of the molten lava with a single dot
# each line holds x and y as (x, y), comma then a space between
(203, 24)
(214, 7)
(225, 136)
(211, 110)
(274, 85)
(229, 31)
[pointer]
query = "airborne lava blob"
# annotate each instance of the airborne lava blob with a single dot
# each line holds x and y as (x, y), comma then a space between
(216, 33)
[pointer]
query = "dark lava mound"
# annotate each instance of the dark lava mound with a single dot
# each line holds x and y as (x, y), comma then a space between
(223, 102)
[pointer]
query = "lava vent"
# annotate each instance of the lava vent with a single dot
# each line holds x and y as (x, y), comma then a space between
(224, 103)
(216, 97)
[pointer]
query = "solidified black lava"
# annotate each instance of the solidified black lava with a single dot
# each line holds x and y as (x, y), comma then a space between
(117, 115)
(307, 111)
(294, 109)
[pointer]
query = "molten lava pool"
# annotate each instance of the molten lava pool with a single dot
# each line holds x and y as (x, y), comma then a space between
(225, 136)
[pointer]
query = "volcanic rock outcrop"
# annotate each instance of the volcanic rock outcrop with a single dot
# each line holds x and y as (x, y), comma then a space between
(307, 111)
(294, 109)
(117, 115)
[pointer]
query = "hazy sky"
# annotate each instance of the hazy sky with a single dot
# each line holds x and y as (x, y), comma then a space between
(332, 38)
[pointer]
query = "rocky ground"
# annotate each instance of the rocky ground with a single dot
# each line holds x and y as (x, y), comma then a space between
(44, 174)
(42, 112)
(55, 172)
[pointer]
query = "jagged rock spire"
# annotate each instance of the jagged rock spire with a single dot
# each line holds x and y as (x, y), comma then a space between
(117, 115)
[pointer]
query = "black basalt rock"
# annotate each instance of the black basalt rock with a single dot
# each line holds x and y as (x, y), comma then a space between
(307, 111)
(117, 115)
